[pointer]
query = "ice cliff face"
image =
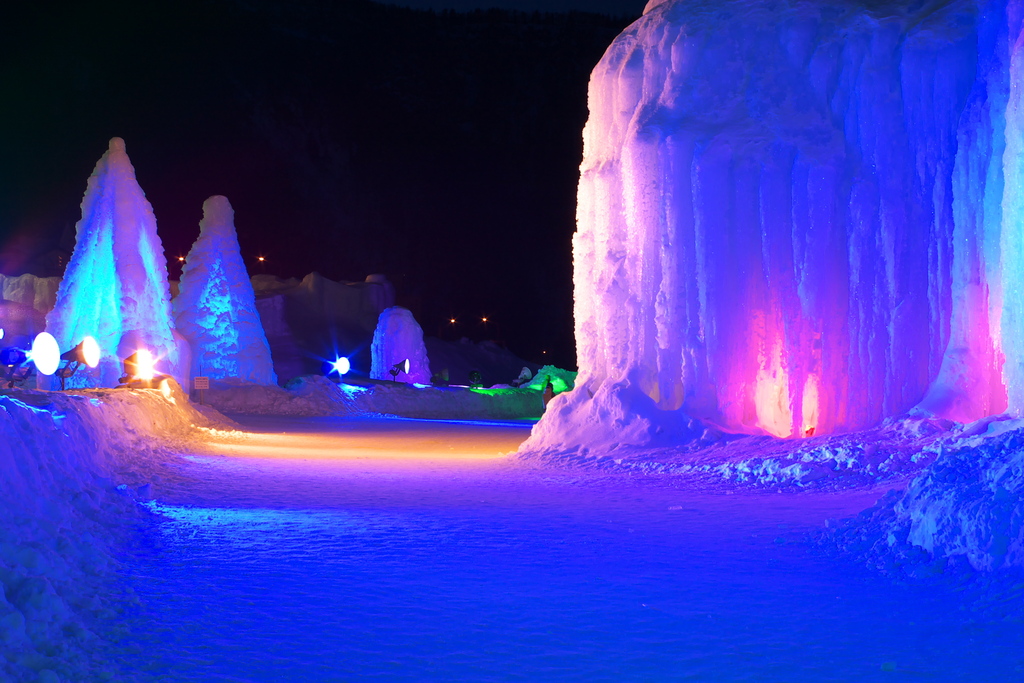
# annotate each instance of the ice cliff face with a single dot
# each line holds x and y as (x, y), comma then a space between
(215, 309)
(798, 218)
(115, 287)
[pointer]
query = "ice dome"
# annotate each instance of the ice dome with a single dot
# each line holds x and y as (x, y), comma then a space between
(797, 218)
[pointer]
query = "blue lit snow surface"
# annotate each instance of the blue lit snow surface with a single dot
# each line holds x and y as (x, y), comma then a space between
(330, 568)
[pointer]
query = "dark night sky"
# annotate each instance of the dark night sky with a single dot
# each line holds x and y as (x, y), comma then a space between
(441, 149)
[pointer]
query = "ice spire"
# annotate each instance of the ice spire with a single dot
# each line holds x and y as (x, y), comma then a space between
(215, 309)
(398, 337)
(115, 285)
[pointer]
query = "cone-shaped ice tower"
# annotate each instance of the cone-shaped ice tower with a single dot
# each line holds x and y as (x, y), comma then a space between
(399, 337)
(215, 309)
(115, 286)
(798, 218)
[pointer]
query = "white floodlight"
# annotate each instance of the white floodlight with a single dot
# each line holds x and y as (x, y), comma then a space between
(45, 354)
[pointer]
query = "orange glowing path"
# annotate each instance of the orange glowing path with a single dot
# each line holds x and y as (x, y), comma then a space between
(367, 440)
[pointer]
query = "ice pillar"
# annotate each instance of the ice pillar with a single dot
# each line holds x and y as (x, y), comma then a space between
(115, 286)
(798, 218)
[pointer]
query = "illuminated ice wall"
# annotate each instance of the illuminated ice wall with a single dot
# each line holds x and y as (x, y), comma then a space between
(115, 286)
(215, 309)
(796, 218)
(398, 337)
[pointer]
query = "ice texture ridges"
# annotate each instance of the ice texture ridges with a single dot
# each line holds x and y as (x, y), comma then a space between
(115, 286)
(798, 218)
(215, 309)
(399, 337)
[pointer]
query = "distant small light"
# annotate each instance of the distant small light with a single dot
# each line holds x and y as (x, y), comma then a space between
(260, 258)
(45, 354)
(1, 333)
(543, 351)
(451, 320)
(181, 259)
(341, 366)
(484, 318)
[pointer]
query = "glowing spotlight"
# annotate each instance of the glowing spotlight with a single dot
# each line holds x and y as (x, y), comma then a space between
(45, 354)
(139, 366)
(399, 367)
(181, 259)
(260, 259)
(483, 319)
(451, 320)
(87, 353)
(341, 366)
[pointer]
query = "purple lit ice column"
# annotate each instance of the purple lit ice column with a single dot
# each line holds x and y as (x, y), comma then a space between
(764, 217)
(398, 337)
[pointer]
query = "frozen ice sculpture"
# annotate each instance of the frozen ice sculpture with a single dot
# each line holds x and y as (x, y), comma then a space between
(215, 309)
(398, 337)
(115, 284)
(797, 218)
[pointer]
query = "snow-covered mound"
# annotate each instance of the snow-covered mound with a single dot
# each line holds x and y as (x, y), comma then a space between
(798, 218)
(315, 395)
(72, 465)
(496, 364)
(39, 293)
(968, 505)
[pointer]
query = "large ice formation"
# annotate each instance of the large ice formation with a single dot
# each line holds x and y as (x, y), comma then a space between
(115, 285)
(398, 337)
(215, 309)
(799, 218)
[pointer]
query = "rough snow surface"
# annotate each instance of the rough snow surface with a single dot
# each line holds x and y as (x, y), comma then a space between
(115, 287)
(399, 338)
(73, 465)
(215, 309)
(798, 218)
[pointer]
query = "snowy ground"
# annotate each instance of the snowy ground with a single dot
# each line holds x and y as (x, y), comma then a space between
(345, 547)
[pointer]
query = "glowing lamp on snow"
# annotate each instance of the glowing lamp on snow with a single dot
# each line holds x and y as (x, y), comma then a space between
(341, 366)
(87, 352)
(18, 363)
(399, 367)
(45, 354)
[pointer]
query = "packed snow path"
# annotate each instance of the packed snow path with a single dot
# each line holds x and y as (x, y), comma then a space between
(323, 549)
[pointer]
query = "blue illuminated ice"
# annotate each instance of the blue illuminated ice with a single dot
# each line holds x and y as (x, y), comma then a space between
(215, 309)
(115, 286)
(398, 337)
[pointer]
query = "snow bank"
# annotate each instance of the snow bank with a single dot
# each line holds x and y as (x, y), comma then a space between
(71, 465)
(317, 396)
(966, 506)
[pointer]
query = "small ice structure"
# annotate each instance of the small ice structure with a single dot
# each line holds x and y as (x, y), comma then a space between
(398, 337)
(215, 309)
(798, 218)
(116, 281)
